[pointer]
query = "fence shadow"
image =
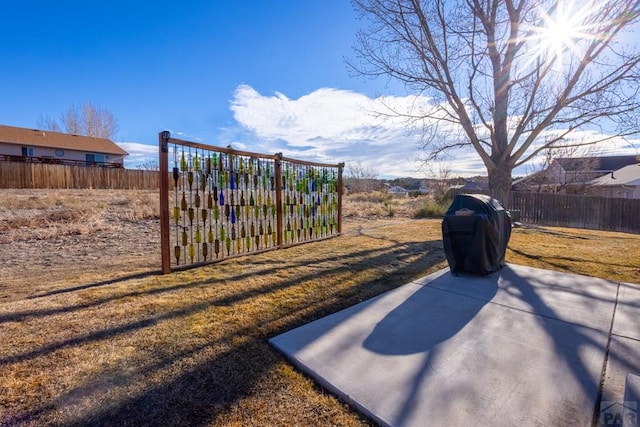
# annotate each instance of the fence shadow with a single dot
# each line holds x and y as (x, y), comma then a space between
(236, 362)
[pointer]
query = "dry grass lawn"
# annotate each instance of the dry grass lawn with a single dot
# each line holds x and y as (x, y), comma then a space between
(190, 348)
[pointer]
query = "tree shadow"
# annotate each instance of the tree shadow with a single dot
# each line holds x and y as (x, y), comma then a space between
(558, 266)
(417, 325)
(429, 318)
(569, 350)
(423, 322)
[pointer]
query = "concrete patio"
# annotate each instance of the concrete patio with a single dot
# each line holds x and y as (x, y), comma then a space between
(522, 346)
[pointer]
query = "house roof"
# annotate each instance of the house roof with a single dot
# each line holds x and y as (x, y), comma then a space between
(475, 185)
(65, 141)
(596, 164)
(628, 175)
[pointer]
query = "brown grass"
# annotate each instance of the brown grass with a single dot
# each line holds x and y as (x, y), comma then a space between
(604, 254)
(379, 205)
(191, 348)
(45, 214)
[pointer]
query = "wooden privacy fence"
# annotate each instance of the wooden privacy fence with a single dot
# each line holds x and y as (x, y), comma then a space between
(217, 203)
(567, 210)
(42, 175)
(571, 210)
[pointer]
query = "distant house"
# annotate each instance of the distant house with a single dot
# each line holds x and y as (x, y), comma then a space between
(624, 183)
(471, 186)
(573, 174)
(397, 191)
(42, 146)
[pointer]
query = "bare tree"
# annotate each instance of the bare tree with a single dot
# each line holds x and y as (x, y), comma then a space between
(439, 174)
(47, 123)
(508, 78)
(86, 120)
(149, 165)
(360, 178)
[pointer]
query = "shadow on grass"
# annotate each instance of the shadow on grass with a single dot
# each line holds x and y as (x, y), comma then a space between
(95, 285)
(274, 267)
(199, 394)
(562, 267)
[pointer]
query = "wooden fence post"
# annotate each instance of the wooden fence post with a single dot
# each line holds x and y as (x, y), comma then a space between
(165, 250)
(340, 191)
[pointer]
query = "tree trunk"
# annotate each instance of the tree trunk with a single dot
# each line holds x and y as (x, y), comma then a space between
(500, 182)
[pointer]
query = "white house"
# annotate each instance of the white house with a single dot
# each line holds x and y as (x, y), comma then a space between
(573, 175)
(624, 182)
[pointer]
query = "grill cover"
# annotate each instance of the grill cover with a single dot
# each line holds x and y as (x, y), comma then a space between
(475, 233)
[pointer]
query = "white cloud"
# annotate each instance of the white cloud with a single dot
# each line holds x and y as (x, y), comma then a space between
(332, 125)
(138, 154)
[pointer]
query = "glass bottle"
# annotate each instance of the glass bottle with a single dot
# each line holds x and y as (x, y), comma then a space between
(183, 202)
(176, 214)
(196, 162)
(176, 176)
(183, 163)
(192, 252)
(204, 214)
(208, 166)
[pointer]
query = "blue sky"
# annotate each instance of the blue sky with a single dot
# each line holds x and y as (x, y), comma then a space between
(264, 76)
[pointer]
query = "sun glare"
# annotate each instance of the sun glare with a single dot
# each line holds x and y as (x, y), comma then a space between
(560, 32)
(557, 36)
